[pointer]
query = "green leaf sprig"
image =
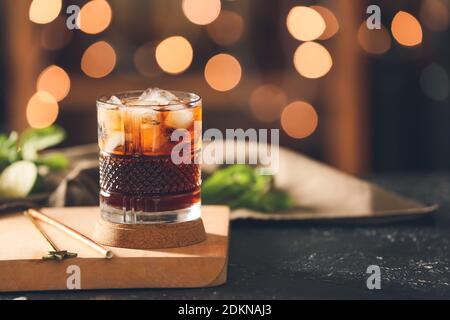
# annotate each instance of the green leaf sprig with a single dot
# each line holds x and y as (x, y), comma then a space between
(18, 153)
(241, 186)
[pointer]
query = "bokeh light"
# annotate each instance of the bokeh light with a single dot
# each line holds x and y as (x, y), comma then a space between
(305, 24)
(267, 102)
(331, 22)
(312, 60)
(44, 11)
(223, 72)
(174, 55)
(42, 110)
(227, 29)
(54, 80)
(406, 29)
(435, 82)
(299, 120)
(55, 35)
(95, 16)
(377, 41)
(201, 12)
(435, 14)
(98, 60)
(145, 61)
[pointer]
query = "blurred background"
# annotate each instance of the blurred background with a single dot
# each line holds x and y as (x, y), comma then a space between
(361, 100)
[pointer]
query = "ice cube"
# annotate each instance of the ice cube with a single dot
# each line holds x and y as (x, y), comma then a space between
(143, 129)
(146, 116)
(113, 141)
(114, 100)
(156, 96)
(181, 119)
(152, 137)
(109, 119)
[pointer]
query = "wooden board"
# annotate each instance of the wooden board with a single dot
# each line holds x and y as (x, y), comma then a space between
(22, 269)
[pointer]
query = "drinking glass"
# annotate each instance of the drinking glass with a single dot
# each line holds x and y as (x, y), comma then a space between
(142, 179)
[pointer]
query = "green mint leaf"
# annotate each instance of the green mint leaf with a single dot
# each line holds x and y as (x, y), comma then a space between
(34, 140)
(54, 161)
(241, 186)
(8, 149)
(227, 184)
(276, 200)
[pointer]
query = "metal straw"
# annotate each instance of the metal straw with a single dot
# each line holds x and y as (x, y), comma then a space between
(56, 254)
(35, 213)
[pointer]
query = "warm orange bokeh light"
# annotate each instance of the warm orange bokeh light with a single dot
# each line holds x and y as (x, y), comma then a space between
(406, 29)
(44, 11)
(305, 24)
(98, 60)
(374, 41)
(42, 110)
(55, 81)
(227, 29)
(435, 14)
(267, 102)
(331, 22)
(299, 120)
(200, 11)
(95, 16)
(174, 55)
(223, 72)
(312, 60)
(55, 35)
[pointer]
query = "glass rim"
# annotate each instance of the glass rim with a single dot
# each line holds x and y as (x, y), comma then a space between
(194, 98)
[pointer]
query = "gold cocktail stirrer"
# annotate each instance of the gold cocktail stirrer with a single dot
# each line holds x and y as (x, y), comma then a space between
(56, 254)
(38, 215)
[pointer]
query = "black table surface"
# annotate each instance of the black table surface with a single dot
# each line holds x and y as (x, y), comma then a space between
(297, 260)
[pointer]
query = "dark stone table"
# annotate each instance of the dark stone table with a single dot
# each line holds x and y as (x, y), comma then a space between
(287, 260)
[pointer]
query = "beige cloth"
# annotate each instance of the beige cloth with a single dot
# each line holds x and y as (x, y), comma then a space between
(80, 186)
(320, 192)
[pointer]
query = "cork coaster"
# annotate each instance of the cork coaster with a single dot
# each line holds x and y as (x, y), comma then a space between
(149, 236)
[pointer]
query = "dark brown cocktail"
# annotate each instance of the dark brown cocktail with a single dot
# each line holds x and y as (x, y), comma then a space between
(149, 149)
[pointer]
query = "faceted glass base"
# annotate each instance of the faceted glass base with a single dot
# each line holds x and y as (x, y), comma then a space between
(116, 215)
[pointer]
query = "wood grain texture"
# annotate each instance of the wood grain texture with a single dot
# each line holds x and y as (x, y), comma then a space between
(22, 269)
